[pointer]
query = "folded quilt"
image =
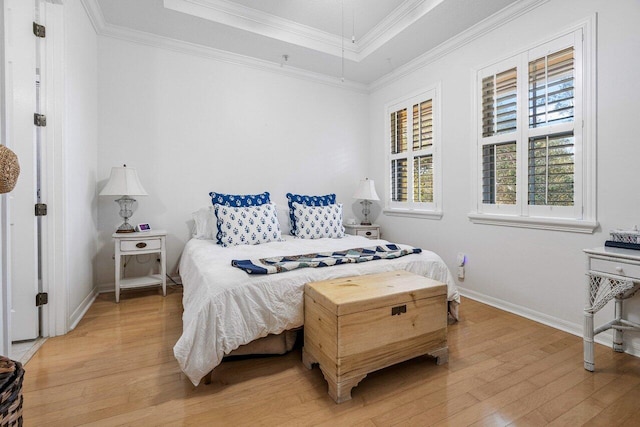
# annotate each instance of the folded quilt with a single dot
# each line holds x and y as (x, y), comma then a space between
(281, 264)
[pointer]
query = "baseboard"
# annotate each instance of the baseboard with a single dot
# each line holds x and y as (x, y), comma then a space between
(604, 338)
(104, 288)
(79, 312)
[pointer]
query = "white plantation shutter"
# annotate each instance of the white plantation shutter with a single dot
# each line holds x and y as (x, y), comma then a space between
(413, 163)
(499, 103)
(423, 178)
(499, 173)
(399, 131)
(551, 170)
(531, 161)
(551, 88)
(423, 125)
(399, 180)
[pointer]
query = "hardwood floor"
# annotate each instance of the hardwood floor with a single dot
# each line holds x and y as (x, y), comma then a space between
(117, 368)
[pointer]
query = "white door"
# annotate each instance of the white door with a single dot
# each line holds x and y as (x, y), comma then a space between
(20, 78)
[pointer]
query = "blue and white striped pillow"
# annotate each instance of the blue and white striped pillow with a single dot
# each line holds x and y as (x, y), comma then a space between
(248, 225)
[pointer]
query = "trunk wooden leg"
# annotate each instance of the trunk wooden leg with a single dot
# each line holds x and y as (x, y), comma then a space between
(441, 355)
(207, 378)
(340, 390)
(307, 359)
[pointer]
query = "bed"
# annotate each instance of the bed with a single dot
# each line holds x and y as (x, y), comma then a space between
(225, 308)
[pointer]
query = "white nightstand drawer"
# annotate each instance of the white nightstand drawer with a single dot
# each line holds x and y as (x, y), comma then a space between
(615, 267)
(140, 245)
(371, 234)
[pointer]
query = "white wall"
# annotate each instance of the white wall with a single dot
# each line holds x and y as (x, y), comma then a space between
(80, 158)
(535, 272)
(191, 125)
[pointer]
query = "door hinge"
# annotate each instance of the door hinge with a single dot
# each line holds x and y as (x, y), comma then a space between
(41, 209)
(39, 30)
(39, 119)
(42, 298)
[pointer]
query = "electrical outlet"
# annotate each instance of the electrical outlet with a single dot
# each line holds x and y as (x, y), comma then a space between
(460, 272)
(462, 259)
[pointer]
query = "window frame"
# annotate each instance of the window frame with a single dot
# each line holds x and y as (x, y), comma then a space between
(581, 217)
(430, 210)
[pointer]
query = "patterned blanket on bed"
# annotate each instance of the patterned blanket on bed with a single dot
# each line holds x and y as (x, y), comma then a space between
(281, 264)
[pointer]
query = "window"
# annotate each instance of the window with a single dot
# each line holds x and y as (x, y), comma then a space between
(413, 165)
(535, 165)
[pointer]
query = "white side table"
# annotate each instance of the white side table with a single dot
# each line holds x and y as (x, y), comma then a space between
(612, 274)
(369, 231)
(140, 243)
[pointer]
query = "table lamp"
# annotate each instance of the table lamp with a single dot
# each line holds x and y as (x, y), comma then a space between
(366, 192)
(124, 182)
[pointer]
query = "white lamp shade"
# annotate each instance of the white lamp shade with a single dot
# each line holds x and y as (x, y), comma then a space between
(366, 190)
(123, 181)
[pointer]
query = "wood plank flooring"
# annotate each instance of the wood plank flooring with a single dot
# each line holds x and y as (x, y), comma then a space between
(117, 368)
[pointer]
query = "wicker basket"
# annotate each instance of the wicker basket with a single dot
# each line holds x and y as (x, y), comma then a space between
(625, 236)
(11, 376)
(9, 169)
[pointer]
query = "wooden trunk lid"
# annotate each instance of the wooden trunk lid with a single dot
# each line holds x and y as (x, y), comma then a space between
(359, 293)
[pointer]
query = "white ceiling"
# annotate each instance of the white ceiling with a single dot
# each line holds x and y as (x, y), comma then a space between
(360, 40)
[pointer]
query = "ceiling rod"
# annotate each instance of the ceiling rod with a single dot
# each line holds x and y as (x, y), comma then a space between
(342, 39)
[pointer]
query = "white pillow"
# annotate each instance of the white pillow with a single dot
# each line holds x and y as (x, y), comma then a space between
(283, 219)
(205, 223)
(316, 222)
(250, 225)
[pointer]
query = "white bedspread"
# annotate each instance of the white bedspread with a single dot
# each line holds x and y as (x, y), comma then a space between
(224, 307)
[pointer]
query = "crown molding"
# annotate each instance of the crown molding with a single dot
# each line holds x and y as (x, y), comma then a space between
(153, 40)
(396, 22)
(500, 18)
(485, 26)
(265, 24)
(94, 12)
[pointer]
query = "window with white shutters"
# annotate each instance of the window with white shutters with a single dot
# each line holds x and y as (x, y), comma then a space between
(413, 163)
(534, 159)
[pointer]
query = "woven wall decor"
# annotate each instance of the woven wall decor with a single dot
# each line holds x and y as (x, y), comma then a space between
(9, 169)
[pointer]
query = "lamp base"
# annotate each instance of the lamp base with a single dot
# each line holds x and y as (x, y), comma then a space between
(126, 210)
(126, 228)
(366, 210)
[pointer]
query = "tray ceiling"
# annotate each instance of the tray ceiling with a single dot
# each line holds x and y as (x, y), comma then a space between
(358, 40)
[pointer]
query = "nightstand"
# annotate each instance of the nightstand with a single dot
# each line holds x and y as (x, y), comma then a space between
(140, 243)
(369, 231)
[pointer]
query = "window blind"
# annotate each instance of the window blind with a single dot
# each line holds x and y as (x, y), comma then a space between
(423, 178)
(499, 173)
(499, 103)
(422, 125)
(399, 131)
(551, 170)
(551, 89)
(399, 182)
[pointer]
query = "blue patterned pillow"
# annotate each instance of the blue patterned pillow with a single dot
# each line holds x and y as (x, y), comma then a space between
(237, 200)
(248, 225)
(328, 199)
(316, 222)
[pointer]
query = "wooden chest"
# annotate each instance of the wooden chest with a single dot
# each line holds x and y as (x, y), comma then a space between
(356, 325)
